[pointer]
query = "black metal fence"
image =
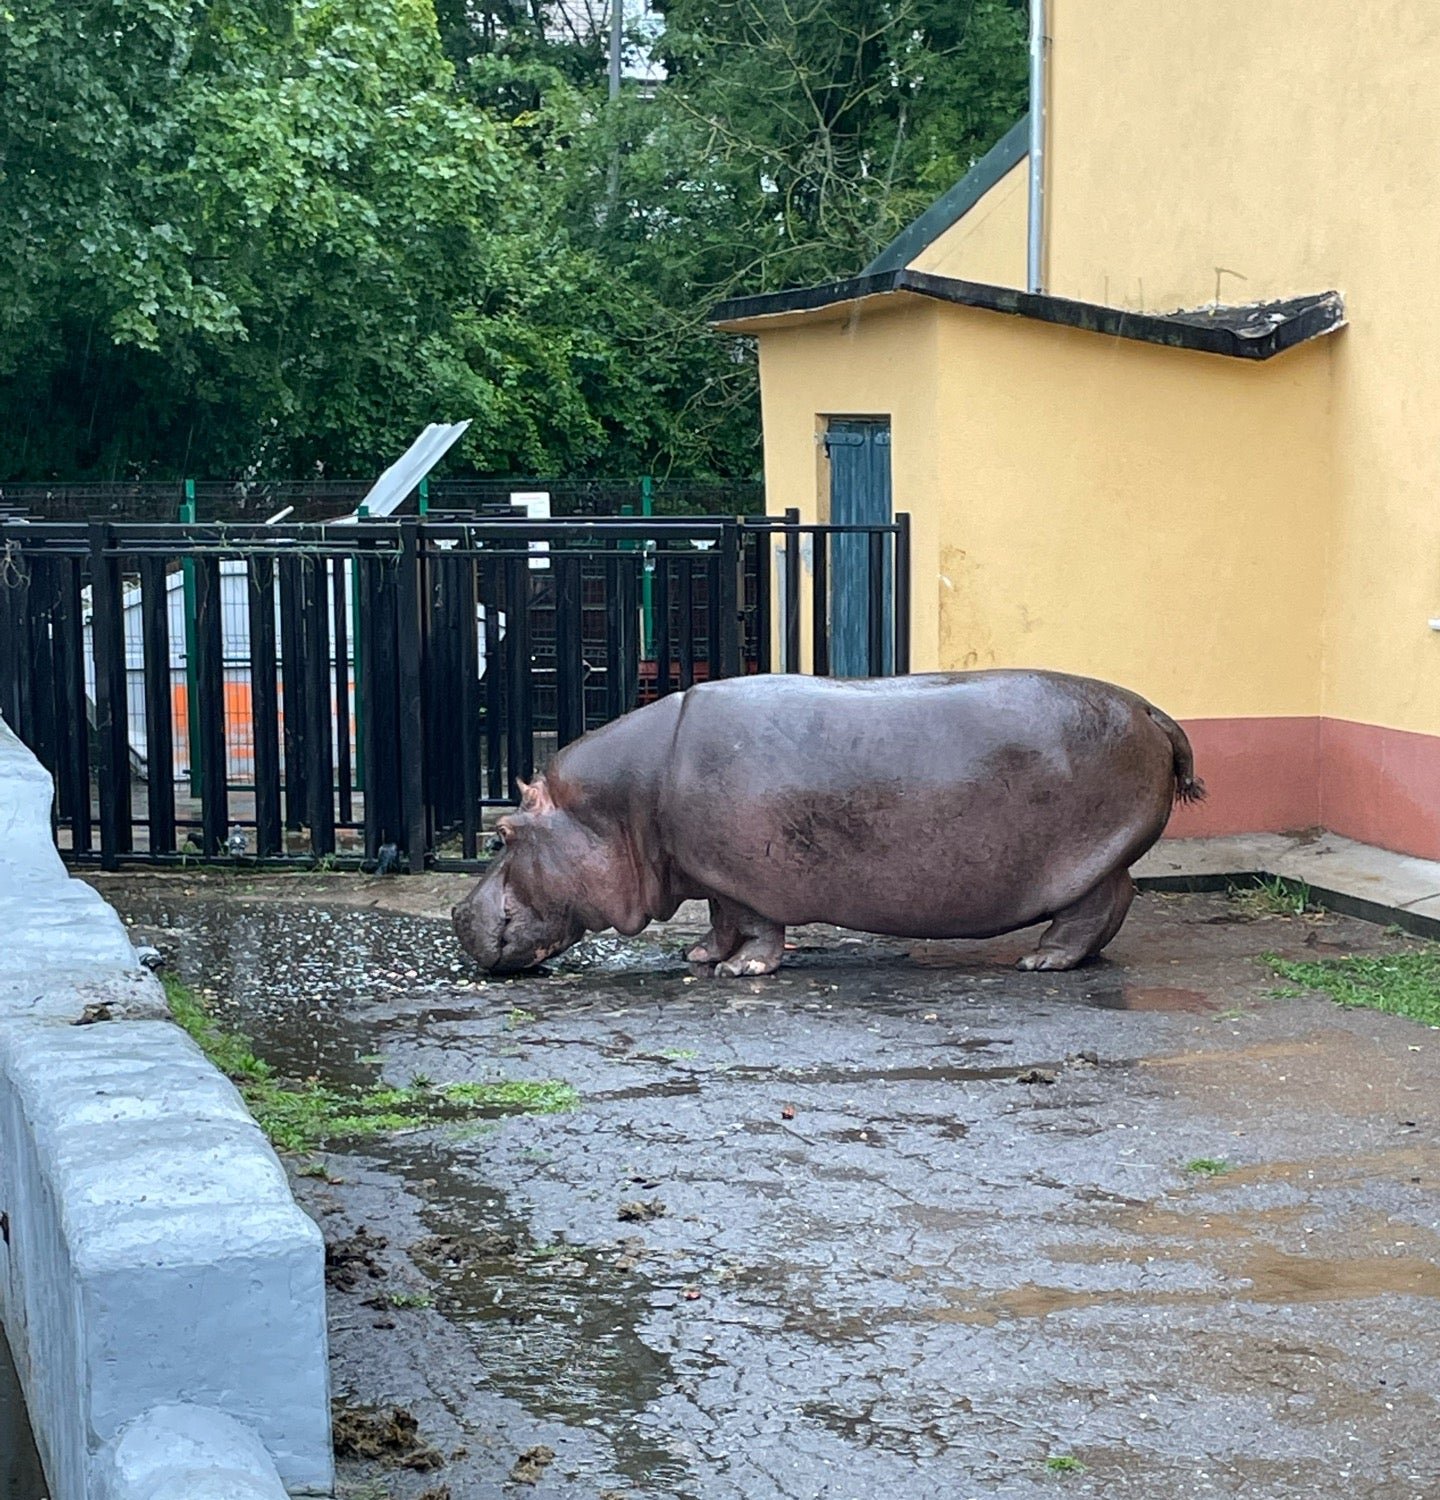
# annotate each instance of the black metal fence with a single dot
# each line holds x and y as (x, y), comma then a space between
(365, 692)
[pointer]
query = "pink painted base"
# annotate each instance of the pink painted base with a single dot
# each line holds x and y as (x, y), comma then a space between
(1273, 775)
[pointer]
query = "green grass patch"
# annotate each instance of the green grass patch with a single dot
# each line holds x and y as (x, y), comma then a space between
(1207, 1166)
(409, 1299)
(1273, 896)
(302, 1116)
(1400, 984)
(1062, 1463)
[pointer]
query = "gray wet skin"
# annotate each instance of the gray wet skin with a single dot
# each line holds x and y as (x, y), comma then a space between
(956, 805)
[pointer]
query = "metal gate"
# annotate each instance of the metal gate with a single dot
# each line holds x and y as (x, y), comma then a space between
(367, 693)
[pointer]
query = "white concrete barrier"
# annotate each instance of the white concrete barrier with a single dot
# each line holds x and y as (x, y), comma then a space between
(162, 1293)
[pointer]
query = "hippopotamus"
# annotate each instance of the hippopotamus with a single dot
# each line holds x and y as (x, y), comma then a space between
(943, 805)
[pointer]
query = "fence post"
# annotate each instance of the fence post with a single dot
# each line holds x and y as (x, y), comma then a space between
(496, 684)
(319, 752)
(159, 752)
(469, 668)
(71, 641)
(759, 538)
(107, 634)
(344, 781)
(820, 602)
(614, 640)
(361, 514)
(686, 596)
(374, 626)
(210, 726)
(730, 586)
(14, 650)
(264, 706)
(902, 592)
(519, 721)
(293, 698)
(875, 621)
(412, 706)
(569, 651)
(792, 589)
(192, 689)
(660, 564)
(647, 597)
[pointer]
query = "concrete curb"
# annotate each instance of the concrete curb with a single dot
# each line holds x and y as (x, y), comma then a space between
(1352, 879)
(163, 1294)
(185, 1453)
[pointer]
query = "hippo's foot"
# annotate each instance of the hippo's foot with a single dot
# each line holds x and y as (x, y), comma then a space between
(1081, 931)
(723, 938)
(760, 954)
(740, 942)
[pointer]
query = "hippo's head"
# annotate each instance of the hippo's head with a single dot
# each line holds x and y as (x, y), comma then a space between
(542, 893)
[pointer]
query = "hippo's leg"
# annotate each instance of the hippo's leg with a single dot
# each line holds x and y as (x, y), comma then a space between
(1081, 931)
(740, 941)
(723, 938)
(760, 953)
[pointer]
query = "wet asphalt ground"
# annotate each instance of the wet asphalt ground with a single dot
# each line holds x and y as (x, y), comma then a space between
(897, 1221)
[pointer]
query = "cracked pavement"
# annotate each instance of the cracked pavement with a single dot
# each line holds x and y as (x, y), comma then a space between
(896, 1219)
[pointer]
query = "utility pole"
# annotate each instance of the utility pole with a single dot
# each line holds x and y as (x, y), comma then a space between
(612, 173)
(617, 33)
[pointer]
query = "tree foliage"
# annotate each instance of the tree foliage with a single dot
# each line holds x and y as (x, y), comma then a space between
(278, 236)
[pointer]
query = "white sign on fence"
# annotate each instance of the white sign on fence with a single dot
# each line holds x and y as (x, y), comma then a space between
(536, 505)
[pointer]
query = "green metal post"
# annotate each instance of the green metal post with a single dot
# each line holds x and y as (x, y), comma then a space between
(647, 577)
(425, 496)
(192, 684)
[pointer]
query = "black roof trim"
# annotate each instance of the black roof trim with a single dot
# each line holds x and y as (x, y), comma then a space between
(1013, 147)
(1255, 331)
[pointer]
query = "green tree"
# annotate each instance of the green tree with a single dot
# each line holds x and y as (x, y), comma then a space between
(256, 238)
(280, 235)
(790, 142)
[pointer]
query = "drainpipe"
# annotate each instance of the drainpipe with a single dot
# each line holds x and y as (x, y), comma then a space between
(1035, 239)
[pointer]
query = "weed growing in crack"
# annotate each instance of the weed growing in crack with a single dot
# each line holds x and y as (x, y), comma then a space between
(409, 1299)
(1273, 896)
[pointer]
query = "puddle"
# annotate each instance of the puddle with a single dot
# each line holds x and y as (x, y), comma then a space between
(20, 1474)
(1156, 997)
(299, 979)
(1263, 1275)
(555, 1326)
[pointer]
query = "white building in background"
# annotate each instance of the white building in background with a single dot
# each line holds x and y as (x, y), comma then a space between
(583, 20)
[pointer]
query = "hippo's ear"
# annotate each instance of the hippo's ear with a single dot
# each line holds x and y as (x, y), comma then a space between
(535, 796)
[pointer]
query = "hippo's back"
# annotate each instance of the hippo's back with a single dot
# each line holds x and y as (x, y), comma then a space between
(949, 804)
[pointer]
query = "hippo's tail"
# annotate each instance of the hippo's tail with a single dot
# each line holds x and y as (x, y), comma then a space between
(1188, 786)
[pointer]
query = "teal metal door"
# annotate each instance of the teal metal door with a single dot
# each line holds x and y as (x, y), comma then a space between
(859, 453)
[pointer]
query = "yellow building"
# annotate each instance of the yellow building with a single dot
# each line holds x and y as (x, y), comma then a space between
(1199, 455)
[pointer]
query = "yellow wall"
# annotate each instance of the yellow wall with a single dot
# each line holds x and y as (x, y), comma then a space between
(1152, 516)
(1127, 512)
(988, 243)
(1293, 142)
(879, 362)
(1233, 538)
